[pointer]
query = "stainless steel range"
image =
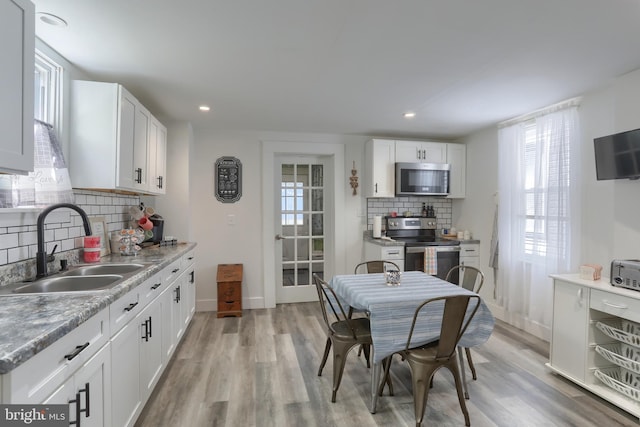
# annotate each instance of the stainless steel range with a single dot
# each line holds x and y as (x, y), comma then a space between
(418, 233)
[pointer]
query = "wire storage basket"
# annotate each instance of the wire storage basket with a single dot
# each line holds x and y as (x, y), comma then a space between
(613, 329)
(615, 353)
(620, 380)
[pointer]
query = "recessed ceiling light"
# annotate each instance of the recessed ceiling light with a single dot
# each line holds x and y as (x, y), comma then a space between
(204, 108)
(409, 115)
(51, 19)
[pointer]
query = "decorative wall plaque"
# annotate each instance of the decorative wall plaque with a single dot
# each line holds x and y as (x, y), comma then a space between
(228, 180)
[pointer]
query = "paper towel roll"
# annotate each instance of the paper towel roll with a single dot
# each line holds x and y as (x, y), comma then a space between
(377, 227)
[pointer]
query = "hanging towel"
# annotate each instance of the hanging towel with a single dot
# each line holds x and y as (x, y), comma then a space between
(430, 260)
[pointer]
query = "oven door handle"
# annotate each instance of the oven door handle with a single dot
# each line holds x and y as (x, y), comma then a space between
(420, 249)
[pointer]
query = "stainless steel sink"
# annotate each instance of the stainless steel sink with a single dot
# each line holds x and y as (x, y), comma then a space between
(69, 284)
(92, 270)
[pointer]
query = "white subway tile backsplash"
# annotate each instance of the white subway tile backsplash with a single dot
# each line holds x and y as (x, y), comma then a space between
(63, 227)
(17, 254)
(9, 240)
(67, 245)
(384, 207)
(28, 238)
(60, 234)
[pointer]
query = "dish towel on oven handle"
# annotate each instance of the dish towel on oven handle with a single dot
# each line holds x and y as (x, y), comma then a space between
(430, 260)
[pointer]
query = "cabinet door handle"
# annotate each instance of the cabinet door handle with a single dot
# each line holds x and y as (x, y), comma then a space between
(139, 177)
(160, 182)
(145, 325)
(610, 304)
(130, 306)
(375, 190)
(150, 334)
(77, 402)
(156, 286)
(77, 351)
(175, 270)
(87, 401)
(177, 294)
(193, 277)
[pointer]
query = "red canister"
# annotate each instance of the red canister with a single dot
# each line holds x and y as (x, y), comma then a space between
(91, 255)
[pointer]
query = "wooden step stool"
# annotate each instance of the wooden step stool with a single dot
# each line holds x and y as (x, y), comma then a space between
(229, 280)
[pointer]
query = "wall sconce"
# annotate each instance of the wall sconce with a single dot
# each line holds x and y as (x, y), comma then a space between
(353, 179)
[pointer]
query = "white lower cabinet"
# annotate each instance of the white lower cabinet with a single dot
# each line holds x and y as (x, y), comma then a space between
(593, 324)
(470, 254)
(570, 328)
(107, 368)
(126, 397)
(373, 252)
(87, 392)
(151, 362)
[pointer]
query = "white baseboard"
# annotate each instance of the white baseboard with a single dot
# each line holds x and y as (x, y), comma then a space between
(541, 331)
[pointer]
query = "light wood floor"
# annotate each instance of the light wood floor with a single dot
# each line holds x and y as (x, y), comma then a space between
(260, 370)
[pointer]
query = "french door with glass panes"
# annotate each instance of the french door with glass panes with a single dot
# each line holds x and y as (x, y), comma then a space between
(300, 227)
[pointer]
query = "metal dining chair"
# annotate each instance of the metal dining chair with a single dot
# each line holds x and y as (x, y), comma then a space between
(425, 360)
(470, 278)
(343, 333)
(378, 266)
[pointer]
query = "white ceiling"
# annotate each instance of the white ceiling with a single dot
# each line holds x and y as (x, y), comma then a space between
(349, 66)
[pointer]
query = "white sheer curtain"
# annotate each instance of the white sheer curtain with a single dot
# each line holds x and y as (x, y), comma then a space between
(538, 212)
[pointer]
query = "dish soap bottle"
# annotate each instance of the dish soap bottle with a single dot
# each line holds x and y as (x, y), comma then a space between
(424, 210)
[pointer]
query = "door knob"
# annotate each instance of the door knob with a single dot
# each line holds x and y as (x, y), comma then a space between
(279, 237)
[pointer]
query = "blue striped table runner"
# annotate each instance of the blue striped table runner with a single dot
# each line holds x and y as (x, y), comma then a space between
(391, 309)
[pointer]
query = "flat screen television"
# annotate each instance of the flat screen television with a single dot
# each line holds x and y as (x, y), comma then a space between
(618, 156)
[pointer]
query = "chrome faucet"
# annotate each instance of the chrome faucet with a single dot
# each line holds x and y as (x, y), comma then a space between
(41, 255)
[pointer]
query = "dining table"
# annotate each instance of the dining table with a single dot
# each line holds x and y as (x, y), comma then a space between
(391, 310)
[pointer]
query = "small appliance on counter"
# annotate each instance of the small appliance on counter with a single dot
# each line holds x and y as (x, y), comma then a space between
(626, 274)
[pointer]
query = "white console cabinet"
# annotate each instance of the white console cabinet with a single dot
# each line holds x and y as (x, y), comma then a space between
(589, 319)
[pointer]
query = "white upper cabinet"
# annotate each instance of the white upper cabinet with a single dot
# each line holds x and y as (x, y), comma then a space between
(111, 139)
(17, 44)
(157, 157)
(380, 161)
(457, 158)
(421, 151)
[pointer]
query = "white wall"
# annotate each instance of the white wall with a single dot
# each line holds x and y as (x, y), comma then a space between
(221, 243)
(609, 209)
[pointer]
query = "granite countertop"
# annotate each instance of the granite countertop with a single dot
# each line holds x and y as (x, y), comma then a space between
(31, 323)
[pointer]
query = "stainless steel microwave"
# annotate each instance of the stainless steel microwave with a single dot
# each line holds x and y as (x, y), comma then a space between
(422, 179)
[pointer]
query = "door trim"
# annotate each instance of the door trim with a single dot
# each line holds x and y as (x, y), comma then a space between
(269, 151)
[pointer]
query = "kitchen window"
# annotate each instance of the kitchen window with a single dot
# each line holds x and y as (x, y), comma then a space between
(538, 214)
(546, 181)
(48, 87)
